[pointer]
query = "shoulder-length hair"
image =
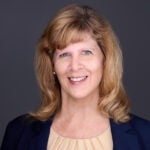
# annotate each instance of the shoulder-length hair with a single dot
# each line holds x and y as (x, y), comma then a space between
(69, 26)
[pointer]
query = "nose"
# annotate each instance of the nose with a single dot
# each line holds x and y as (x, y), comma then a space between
(75, 63)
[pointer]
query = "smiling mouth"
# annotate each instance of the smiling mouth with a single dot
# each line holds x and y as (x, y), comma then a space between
(77, 79)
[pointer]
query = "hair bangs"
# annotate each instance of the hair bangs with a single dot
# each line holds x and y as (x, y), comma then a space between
(71, 34)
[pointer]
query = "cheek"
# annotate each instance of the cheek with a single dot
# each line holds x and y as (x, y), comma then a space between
(59, 73)
(97, 69)
(98, 73)
(59, 68)
(97, 66)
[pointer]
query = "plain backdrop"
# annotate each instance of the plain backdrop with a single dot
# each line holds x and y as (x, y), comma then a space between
(22, 23)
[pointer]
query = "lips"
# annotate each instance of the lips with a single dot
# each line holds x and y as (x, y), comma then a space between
(77, 79)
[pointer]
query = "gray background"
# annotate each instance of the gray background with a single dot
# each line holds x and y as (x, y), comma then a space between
(21, 24)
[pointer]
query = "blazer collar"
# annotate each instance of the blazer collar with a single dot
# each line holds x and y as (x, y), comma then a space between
(124, 136)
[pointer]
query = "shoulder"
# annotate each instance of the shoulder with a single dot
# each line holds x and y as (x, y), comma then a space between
(136, 129)
(20, 122)
(16, 124)
(23, 124)
(141, 126)
(139, 123)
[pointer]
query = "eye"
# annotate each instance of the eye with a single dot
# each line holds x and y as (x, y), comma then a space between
(87, 52)
(64, 54)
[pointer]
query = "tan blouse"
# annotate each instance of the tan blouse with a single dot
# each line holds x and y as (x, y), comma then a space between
(101, 142)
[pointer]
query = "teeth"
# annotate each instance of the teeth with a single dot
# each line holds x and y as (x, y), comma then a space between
(77, 79)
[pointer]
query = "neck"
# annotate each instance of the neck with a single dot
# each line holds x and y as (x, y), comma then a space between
(80, 118)
(80, 108)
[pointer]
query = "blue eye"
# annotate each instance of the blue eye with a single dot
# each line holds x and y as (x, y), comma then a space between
(64, 55)
(87, 52)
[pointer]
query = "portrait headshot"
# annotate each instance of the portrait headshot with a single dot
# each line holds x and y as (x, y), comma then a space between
(80, 81)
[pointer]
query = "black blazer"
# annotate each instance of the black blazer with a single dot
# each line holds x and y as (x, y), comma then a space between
(33, 135)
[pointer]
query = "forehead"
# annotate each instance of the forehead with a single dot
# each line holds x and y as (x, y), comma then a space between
(71, 36)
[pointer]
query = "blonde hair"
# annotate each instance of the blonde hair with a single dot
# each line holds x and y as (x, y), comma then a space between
(70, 26)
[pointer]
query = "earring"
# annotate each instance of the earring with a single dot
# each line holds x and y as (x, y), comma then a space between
(54, 73)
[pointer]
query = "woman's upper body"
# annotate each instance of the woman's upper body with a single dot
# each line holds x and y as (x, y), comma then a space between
(79, 71)
(25, 134)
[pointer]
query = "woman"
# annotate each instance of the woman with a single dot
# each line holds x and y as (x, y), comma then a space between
(84, 104)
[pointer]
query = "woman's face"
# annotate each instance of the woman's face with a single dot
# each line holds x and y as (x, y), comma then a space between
(79, 68)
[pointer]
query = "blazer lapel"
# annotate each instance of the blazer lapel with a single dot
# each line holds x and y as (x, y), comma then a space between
(124, 136)
(41, 134)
